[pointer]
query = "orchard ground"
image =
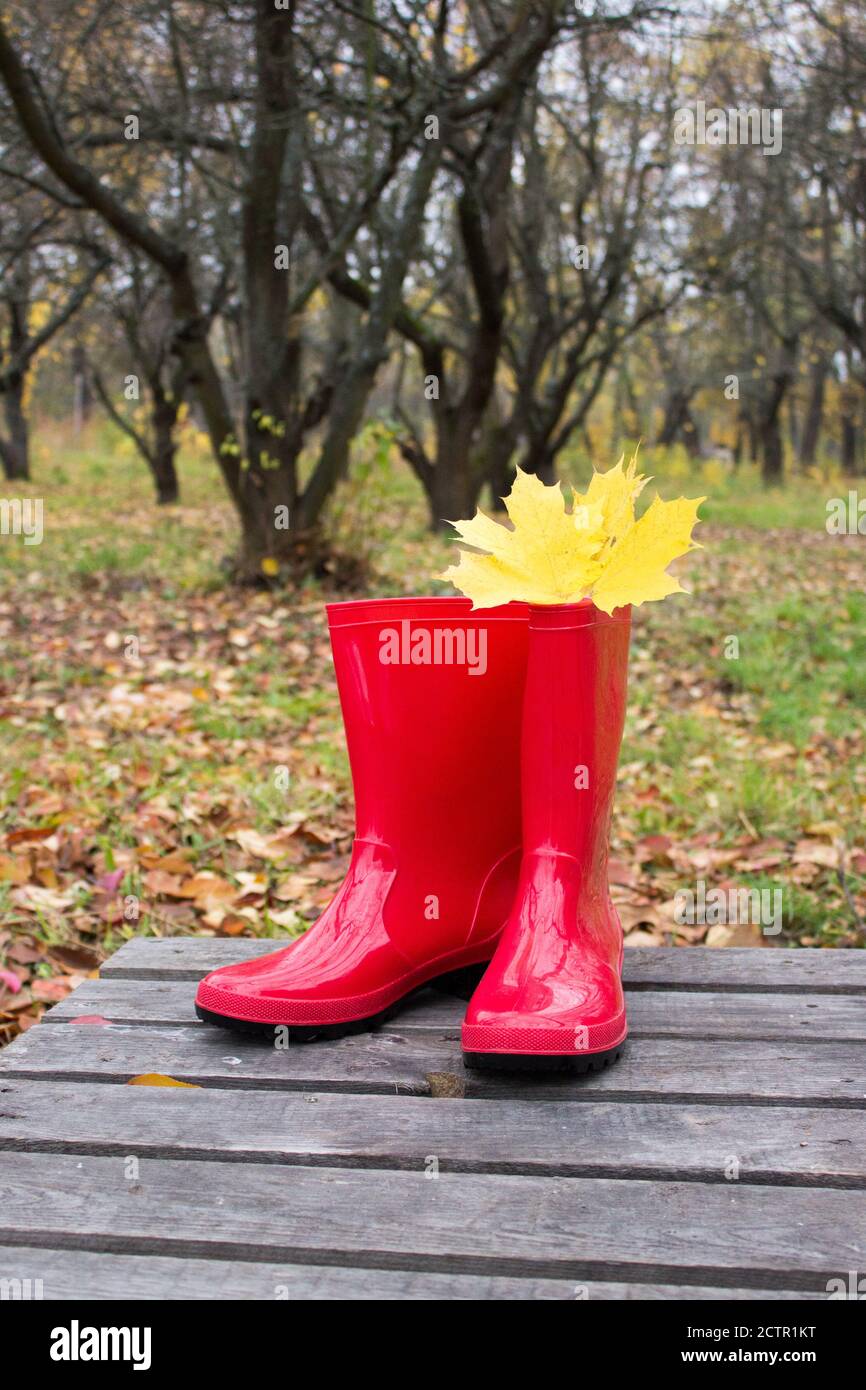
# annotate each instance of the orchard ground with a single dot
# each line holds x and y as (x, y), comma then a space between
(173, 759)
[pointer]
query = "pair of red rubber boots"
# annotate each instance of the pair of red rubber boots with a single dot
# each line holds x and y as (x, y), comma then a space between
(483, 747)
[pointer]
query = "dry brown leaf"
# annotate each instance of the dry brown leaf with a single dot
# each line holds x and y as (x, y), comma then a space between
(814, 852)
(20, 837)
(162, 885)
(270, 847)
(52, 991)
(233, 924)
(14, 868)
(209, 888)
(34, 898)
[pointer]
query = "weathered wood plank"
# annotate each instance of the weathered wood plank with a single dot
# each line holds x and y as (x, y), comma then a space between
(746, 969)
(692, 968)
(169, 1002)
(722, 1143)
(180, 957)
(415, 1064)
(652, 1014)
(568, 1228)
(77, 1274)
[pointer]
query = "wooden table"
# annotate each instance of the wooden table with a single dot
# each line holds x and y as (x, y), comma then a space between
(723, 1156)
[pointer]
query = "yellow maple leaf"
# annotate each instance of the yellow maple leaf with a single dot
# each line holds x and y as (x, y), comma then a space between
(155, 1078)
(616, 491)
(550, 555)
(635, 567)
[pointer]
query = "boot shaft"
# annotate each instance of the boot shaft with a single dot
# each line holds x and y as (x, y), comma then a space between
(573, 715)
(552, 993)
(431, 694)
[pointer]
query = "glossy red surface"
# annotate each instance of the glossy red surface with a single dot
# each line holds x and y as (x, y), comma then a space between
(553, 986)
(434, 751)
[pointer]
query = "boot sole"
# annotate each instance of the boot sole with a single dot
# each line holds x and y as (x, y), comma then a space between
(575, 1063)
(462, 983)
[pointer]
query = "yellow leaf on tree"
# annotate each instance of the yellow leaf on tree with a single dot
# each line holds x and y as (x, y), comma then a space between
(270, 565)
(598, 549)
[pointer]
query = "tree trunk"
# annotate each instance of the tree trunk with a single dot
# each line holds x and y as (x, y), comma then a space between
(678, 420)
(793, 424)
(772, 454)
(454, 491)
(814, 414)
(539, 459)
(273, 428)
(15, 447)
(691, 434)
(849, 444)
(500, 447)
(344, 420)
(162, 460)
(849, 401)
(192, 346)
(82, 395)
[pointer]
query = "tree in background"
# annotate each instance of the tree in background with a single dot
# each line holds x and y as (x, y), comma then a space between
(45, 278)
(132, 317)
(826, 228)
(528, 284)
(252, 107)
(479, 209)
(593, 265)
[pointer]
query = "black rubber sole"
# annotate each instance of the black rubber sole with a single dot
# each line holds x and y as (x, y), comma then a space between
(461, 983)
(575, 1064)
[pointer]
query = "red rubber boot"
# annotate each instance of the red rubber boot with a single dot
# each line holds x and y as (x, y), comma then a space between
(552, 996)
(431, 694)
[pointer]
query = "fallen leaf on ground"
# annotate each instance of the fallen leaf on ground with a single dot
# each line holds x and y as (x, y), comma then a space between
(155, 1078)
